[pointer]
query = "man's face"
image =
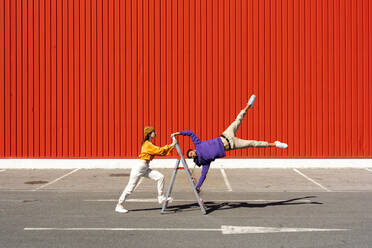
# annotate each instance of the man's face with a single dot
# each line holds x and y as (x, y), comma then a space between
(193, 154)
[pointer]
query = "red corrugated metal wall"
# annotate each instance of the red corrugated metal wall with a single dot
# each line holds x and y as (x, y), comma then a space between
(82, 78)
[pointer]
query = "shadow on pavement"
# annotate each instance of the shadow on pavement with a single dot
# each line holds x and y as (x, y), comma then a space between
(213, 206)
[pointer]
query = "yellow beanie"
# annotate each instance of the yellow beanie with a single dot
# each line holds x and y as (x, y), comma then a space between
(148, 130)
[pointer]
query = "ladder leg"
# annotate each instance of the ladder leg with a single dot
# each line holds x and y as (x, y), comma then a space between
(170, 187)
(200, 201)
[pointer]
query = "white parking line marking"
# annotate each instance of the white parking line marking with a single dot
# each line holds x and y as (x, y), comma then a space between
(118, 229)
(228, 185)
(56, 180)
(2, 200)
(311, 180)
(369, 170)
(223, 229)
(182, 200)
(258, 229)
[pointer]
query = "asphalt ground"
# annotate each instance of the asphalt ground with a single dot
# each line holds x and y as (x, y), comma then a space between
(246, 208)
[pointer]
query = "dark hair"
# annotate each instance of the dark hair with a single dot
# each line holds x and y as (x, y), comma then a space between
(187, 153)
(146, 138)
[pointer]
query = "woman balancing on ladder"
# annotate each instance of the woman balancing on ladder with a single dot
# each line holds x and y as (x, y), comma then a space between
(148, 151)
(206, 152)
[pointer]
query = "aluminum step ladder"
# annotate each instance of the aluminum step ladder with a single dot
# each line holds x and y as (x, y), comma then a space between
(193, 186)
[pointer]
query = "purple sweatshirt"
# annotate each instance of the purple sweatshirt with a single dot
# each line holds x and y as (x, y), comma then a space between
(207, 152)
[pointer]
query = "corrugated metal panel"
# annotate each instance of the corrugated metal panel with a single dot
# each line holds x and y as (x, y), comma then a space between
(82, 78)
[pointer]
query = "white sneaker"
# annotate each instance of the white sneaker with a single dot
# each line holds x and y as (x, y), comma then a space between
(281, 145)
(251, 101)
(161, 199)
(120, 209)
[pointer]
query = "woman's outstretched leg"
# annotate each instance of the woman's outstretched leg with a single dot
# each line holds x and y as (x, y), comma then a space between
(135, 175)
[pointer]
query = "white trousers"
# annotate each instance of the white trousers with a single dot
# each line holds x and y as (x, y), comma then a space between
(142, 170)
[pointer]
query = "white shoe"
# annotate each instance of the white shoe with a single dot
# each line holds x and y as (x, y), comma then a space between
(120, 209)
(251, 101)
(161, 199)
(281, 145)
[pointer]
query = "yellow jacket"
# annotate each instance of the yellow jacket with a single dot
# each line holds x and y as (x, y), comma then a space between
(149, 150)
